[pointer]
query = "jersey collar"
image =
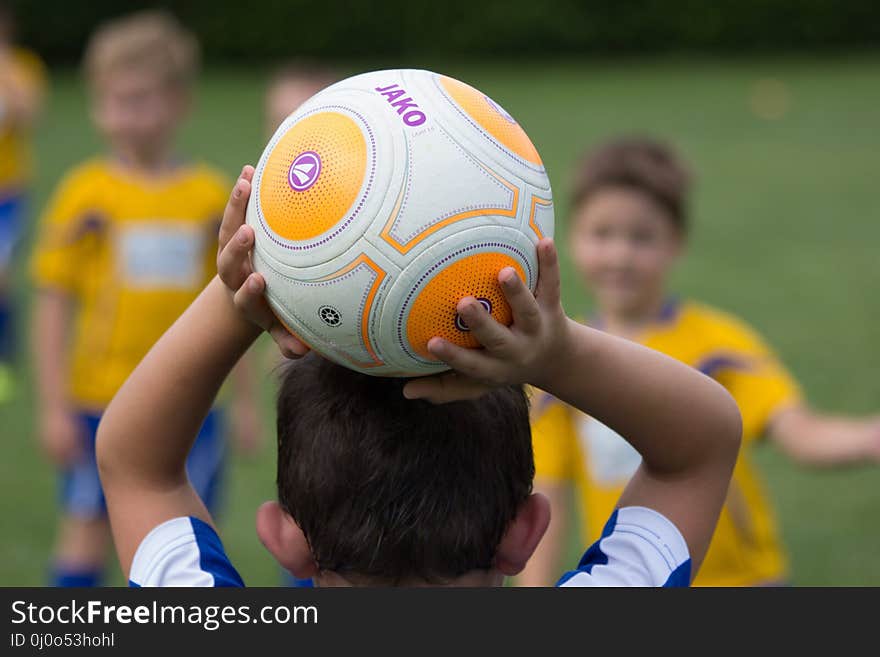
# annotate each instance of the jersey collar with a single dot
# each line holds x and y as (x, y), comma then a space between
(667, 315)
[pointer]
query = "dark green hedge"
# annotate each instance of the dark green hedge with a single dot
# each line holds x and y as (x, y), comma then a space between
(346, 28)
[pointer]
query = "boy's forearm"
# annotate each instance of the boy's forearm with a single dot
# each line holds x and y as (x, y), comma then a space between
(244, 380)
(148, 429)
(670, 413)
(51, 319)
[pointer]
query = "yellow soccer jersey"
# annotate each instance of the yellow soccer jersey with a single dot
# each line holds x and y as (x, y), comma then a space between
(570, 446)
(133, 253)
(15, 156)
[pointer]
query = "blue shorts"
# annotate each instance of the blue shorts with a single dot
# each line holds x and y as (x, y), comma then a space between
(81, 493)
(11, 226)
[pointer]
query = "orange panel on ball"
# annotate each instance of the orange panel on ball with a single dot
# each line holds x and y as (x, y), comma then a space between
(313, 176)
(492, 118)
(433, 312)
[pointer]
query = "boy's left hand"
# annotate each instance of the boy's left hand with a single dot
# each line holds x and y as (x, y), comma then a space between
(530, 350)
(235, 270)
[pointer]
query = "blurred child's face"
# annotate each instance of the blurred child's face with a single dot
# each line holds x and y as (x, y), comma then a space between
(623, 245)
(138, 112)
(284, 97)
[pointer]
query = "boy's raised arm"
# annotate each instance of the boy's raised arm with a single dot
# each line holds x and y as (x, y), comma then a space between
(686, 426)
(149, 427)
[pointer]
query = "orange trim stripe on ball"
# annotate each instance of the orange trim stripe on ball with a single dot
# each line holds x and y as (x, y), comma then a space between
(536, 201)
(368, 305)
(406, 247)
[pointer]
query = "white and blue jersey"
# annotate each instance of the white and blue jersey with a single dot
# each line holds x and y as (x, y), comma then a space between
(182, 552)
(639, 547)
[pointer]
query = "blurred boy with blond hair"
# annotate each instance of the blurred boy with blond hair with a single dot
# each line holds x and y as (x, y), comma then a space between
(128, 240)
(22, 82)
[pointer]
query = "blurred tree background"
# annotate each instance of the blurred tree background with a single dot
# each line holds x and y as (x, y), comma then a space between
(350, 28)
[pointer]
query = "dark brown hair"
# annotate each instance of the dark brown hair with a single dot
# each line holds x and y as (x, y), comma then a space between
(392, 490)
(644, 165)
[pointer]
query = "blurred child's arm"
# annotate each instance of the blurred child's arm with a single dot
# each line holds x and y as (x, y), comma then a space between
(149, 427)
(813, 438)
(773, 405)
(686, 426)
(56, 268)
(246, 418)
(59, 432)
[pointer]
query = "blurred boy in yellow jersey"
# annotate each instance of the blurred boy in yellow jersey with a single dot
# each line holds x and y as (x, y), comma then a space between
(128, 240)
(627, 232)
(22, 82)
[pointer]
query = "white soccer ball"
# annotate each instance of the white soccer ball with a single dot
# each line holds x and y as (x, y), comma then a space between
(384, 200)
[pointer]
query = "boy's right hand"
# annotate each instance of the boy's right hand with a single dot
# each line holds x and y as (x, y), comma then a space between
(235, 270)
(533, 349)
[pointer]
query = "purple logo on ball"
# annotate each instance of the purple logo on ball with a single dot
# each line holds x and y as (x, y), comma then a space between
(503, 112)
(304, 171)
(460, 323)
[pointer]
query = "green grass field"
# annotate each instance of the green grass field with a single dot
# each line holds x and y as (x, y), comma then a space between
(786, 234)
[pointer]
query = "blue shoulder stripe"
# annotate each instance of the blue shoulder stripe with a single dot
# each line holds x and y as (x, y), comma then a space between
(212, 558)
(680, 577)
(594, 556)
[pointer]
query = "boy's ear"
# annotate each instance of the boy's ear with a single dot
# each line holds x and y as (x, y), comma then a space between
(280, 534)
(523, 535)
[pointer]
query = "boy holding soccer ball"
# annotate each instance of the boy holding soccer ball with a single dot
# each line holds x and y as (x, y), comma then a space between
(384, 481)
(128, 240)
(628, 231)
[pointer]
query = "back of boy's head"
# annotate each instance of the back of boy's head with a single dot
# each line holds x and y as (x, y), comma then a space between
(390, 490)
(151, 41)
(643, 165)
